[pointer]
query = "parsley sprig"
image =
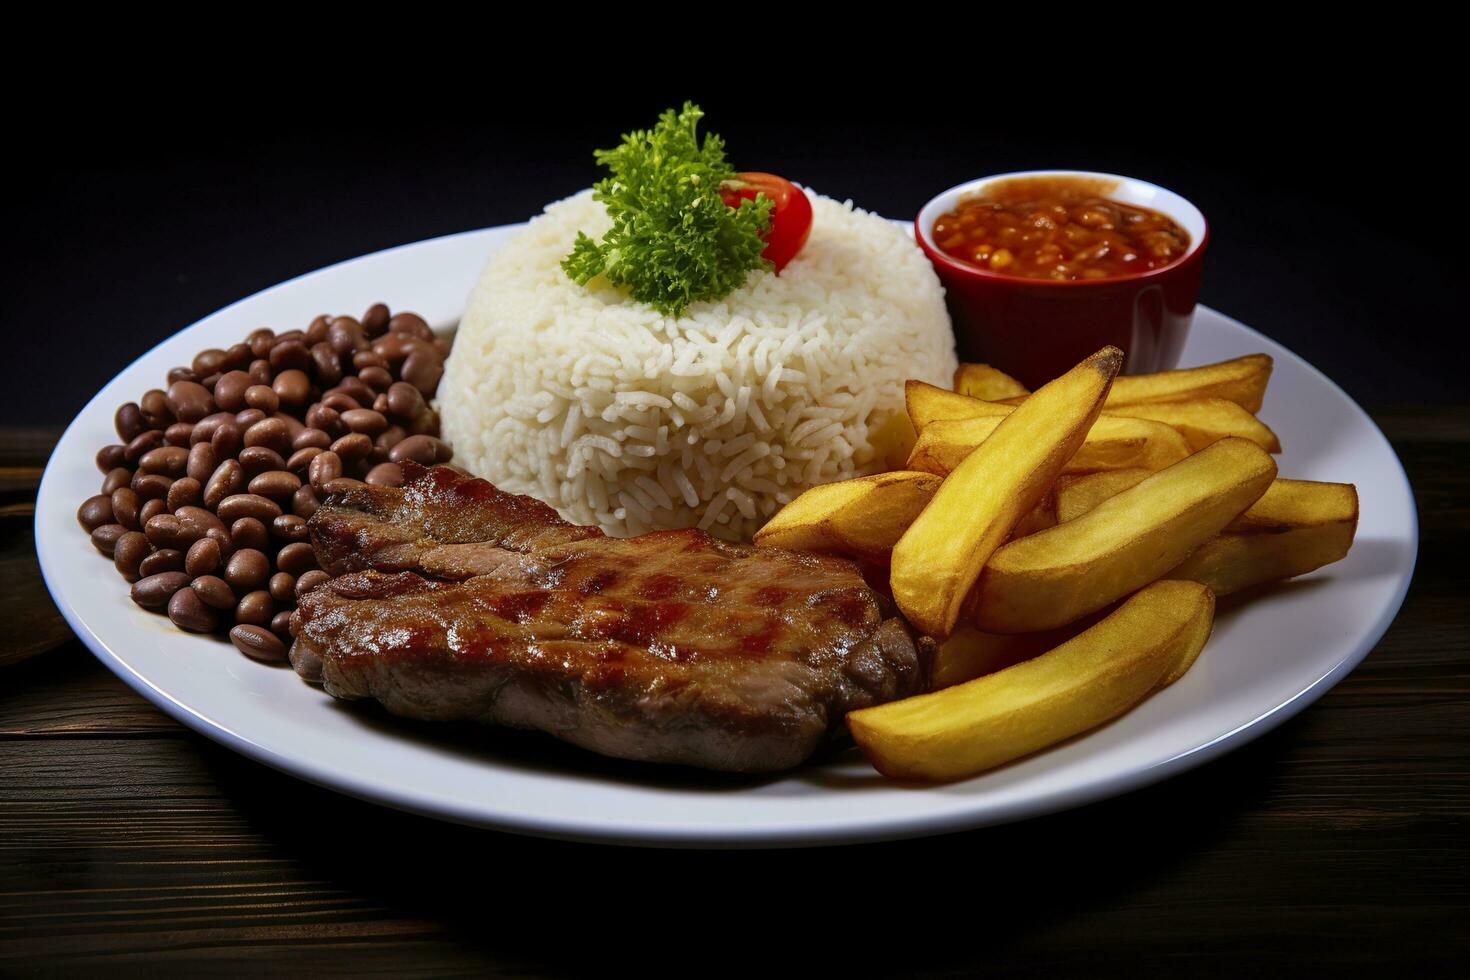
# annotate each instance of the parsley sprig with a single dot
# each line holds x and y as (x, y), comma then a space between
(673, 241)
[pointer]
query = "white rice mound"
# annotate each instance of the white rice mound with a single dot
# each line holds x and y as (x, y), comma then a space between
(619, 416)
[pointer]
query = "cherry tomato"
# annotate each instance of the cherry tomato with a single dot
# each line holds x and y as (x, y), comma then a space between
(791, 218)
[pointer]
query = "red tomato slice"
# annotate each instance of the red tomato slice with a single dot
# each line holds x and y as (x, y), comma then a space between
(791, 218)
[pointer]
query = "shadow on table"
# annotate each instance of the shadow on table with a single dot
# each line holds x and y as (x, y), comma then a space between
(903, 905)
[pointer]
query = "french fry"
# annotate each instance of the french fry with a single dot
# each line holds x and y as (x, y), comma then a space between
(1050, 578)
(1111, 443)
(1296, 527)
(1200, 421)
(1204, 420)
(1149, 641)
(975, 509)
(1242, 380)
(971, 653)
(863, 517)
(984, 381)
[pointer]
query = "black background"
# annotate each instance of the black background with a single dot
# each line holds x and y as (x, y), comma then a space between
(1333, 205)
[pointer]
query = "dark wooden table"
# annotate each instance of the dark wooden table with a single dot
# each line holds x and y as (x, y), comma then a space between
(1338, 841)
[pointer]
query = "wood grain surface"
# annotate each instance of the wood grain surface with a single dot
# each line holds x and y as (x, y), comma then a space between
(1338, 843)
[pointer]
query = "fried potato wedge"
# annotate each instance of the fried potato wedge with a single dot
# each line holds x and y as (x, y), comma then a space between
(971, 653)
(1148, 642)
(1296, 527)
(1050, 578)
(1111, 443)
(1242, 381)
(863, 517)
(1204, 420)
(978, 505)
(1078, 494)
(984, 381)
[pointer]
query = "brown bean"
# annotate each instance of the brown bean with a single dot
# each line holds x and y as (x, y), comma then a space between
(375, 320)
(325, 418)
(368, 358)
(226, 440)
(105, 538)
(248, 417)
(343, 484)
(189, 613)
(128, 420)
(316, 330)
(346, 335)
(288, 355)
(353, 448)
(324, 468)
(247, 569)
(126, 505)
(261, 341)
(229, 391)
(311, 439)
(209, 381)
(292, 387)
(227, 479)
(385, 475)
(301, 458)
(264, 398)
(380, 404)
(197, 521)
(255, 608)
(418, 449)
(116, 479)
(296, 558)
(271, 433)
(95, 512)
(276, 484)
(205, 428)
(203, 558)
(214, 591)
(189, 401)
(143, 444)
(304, 503)
(151, 509)
(179, 434)
(427, 424)
(405, 401)
(181, 374)
(155, 408)
(356, 389)
(282, 586)
(239, 505)
(259, 459)
(307, 581)
(376, 378)
(168, 460)
(129, 553)
(338, 401)
(154, 591)
(411, 324)
(150, 486)
(365, 420)
(208, 361)
(294, 426)
(423, 369)
(221, 536)
(260, 374)
(236, 357)
(162, 560)
(281, 624)
(389, 438)
(167, 531)
(326, 364)
(201, 462)
(258, 643)
(111, 457)
(184, 492)
(249, 532)
(289, 527)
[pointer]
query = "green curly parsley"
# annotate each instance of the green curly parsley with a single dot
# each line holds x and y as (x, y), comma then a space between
(674, 241)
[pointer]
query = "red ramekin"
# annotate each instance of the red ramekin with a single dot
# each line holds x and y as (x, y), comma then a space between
(1035, 329)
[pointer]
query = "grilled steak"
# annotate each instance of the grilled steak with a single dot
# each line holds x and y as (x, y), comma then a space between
(457, 601)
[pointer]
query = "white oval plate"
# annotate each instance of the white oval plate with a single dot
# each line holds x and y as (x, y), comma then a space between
(1266, 661)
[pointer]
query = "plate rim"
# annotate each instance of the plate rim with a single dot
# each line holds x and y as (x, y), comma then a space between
(582, 829)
